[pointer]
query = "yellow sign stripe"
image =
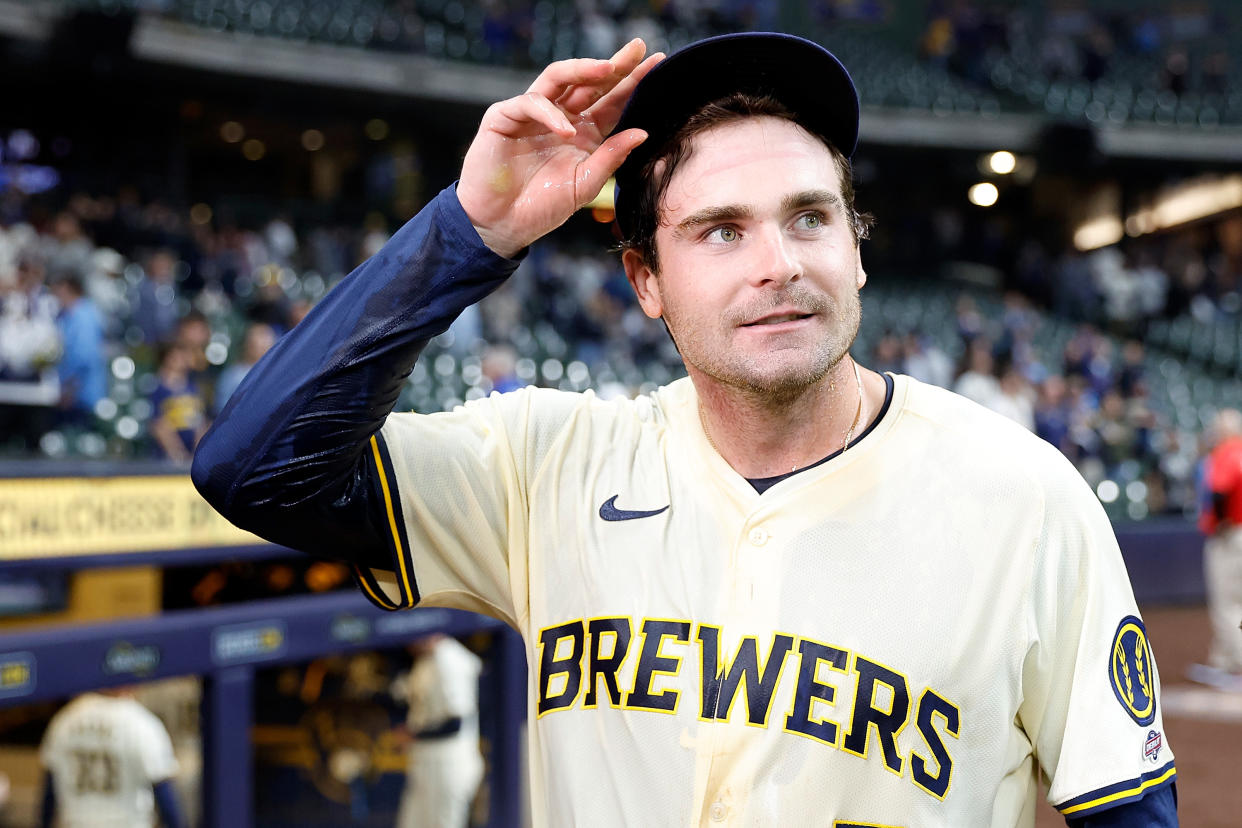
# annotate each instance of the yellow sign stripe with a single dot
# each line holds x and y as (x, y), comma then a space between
(392, 521)
(59, 516)
(1095, 803)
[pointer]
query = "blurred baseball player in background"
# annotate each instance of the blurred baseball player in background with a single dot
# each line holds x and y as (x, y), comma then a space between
(444, 764)
(1221, 522)
(176, 702)
(782, 591)
(109, 764)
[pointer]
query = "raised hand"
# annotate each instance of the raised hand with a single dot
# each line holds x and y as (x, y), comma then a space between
(540, 156)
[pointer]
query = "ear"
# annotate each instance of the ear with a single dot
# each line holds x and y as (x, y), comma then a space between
(860, 275)
(643, 280)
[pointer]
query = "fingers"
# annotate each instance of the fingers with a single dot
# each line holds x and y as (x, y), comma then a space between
(579, 97)
(595, 170)
(607, 111)
(574, 85)
(515, 117)
(558, 77)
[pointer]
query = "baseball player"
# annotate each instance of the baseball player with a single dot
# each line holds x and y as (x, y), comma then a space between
(109, 764)
(1221, 521)
(444, 765)
(784, 590)
(176, 702)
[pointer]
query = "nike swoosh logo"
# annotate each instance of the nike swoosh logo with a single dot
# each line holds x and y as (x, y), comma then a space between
(609, 511)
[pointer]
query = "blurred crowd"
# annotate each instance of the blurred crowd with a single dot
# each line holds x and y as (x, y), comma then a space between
(1091, 398)
(1195, 270)
(124, 314)
(137, 323)
(1184, 44)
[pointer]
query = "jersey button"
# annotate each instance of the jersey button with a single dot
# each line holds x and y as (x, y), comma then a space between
(758, 537)
(717, 812)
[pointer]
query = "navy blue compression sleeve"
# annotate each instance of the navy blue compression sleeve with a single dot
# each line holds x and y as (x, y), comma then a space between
(286, 459)
(47, 809)
(1157, 809)
(166, 804)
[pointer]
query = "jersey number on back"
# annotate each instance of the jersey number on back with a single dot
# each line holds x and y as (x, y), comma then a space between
(97, 772)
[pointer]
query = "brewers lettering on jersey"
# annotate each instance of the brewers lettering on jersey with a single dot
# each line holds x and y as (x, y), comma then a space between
(784, 590)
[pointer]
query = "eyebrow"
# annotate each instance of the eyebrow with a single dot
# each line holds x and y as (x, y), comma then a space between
(732, 212)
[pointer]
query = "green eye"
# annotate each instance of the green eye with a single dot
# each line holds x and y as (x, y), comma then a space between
(812, 220)
(728, 234)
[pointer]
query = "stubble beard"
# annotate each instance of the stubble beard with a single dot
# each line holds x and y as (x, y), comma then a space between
(781, 381)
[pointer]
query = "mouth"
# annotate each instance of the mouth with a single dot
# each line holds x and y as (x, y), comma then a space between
(778, 319)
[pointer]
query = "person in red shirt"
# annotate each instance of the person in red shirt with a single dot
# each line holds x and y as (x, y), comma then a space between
(1221, 521)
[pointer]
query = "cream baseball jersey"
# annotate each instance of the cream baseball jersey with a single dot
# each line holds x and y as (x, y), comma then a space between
(105, 754)
(909, 634)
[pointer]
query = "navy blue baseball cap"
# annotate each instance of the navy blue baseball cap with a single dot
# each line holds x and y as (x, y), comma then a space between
(804, 76)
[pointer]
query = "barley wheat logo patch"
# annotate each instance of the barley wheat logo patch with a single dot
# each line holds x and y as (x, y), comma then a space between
(1130, 671)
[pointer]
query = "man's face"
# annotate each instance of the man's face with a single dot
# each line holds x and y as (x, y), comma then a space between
(759, 271)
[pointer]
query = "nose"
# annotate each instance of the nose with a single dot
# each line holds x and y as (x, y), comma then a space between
(775, 265)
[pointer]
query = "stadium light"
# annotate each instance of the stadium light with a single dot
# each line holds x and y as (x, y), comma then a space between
(377, 129)
(312, 140)
(254, 149)
(1108, 491)
(1002, 162)
(232, 132)
(983, 194)
(1196, 200)
(1098, 232)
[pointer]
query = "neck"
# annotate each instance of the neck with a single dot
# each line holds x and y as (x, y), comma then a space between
(760, 437)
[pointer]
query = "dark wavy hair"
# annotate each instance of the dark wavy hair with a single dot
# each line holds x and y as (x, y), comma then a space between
(678, 148)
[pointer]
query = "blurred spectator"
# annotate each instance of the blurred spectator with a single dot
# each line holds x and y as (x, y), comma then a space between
(29, 339)
(1216, 73)
(297, 312)
(969, 320)
(67, 250)
(178, 410)
(194, 333)
(1052, 414)
(978, 381)
(923, 360)
(887, 355)
(1130, 379)
(156, 310)
(500, 368)
(107, 288)
(269, 303)
(258, 339)
(1118, 437)
(1013, 398)
(1176, 71)
(1221, 520)
(281, 241)
(81, 369)
(29, 346)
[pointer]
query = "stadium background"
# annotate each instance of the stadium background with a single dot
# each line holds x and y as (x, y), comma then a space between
(209, 167)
